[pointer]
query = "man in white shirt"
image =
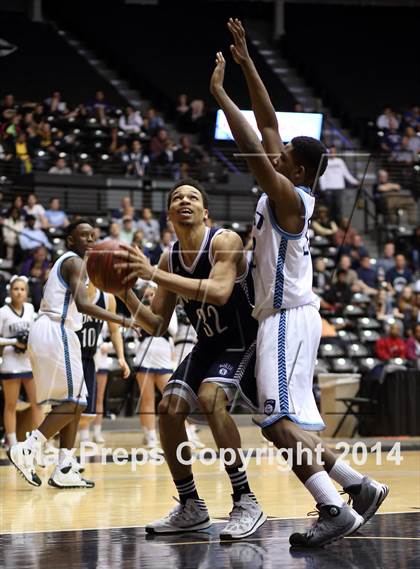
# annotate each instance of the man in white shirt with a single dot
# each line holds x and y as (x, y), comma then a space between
(335, 177)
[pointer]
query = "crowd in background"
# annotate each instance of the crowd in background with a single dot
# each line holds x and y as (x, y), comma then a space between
(399, 134)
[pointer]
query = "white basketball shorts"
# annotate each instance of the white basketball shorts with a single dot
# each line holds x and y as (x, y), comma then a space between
(56, 360)
(287, 345)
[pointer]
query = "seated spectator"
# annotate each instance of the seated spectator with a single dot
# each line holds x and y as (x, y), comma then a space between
(406, 301)
(165, 161)
(198, 120)
(18, 202)
(158, 143)
(12, 227)
(392, 346)
(384, 305)
(413, 346)
(31, 237)
(161, 247)
(386, 119)
(339, 295)
(321, 276)
(182, 110)
(322, 224)
(45, 136)
(100, 108)
(131, 121)
(55, 216)
(391, 140)
(114, 231)
(138, 239)
(138, 162)
(187, 157)
(126, 208)
(36, 209)
(23, 153)
(60, 168)
(404, 154)
(400, 275)
(154, 122)
(412, 117)
(389, 199)
(387, 261)
(345, 233)
(415, 250)
(86, 169)
(356, 250)
(55, 104)
(366, 273)
(127, 230)
(413, 141)
(149, 226)
(351, 275)
(36, 267)
(38, 114)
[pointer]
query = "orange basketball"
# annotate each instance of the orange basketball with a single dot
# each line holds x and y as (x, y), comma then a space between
(101, 269)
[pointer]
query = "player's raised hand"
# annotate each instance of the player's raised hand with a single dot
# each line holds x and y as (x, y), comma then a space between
(239, 49)
(216, 82)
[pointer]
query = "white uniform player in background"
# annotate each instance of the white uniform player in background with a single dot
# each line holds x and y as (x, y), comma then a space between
(285, 306)
(16, 318)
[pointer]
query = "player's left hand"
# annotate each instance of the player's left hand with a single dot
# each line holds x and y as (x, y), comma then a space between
(135, 262)
(239, 50)
(216, 82)
(124, 367)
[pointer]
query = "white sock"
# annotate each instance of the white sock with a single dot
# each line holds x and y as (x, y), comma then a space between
(323, 490)
(65, 457)
(150, 433)
(84, 435)
(35, 439)
(97, 430)
(344, 474)
(11, 439)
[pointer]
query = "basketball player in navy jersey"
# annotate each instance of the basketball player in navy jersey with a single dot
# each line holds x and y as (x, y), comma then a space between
(88, 336)
(285, 305)
(55, 355)
(207, 268)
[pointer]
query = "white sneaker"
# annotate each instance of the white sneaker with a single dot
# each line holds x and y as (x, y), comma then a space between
(244, 519)
(150, 440)
(23, 459)
(69, 477)
(191, 516)
(46, 455)
(193, 436)
(98, 438)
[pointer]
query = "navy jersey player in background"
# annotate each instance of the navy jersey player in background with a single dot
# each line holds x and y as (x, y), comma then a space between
(207, 268)
(88, 337)
(285, 305)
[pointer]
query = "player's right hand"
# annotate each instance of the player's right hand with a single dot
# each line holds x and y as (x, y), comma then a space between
(239, 50)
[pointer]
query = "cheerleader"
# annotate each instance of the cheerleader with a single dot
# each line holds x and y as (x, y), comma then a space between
(15, 368)
(154, 364)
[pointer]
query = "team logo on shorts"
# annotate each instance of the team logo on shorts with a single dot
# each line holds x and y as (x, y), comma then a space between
(225, 369)
(269, 406)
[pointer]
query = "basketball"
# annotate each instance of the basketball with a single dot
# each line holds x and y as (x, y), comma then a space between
(101, 267)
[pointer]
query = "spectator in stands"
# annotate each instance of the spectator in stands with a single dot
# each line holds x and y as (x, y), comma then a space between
(138, 162)
(45, 135)
(187, 157)
(126, 208)
(23, 153)
(149, 226)
(12, 126)
(115, 231)
(131, 121)
(386, 119)
(127, 230)
(36, 268)
(138, 239)
(415, 250)
(154, 122)
(100, 108)
(392, 346)
(404, 154)
(54, 215)
(340, 293)
(161, 247)
(387, 261)
(384, 304)
(198, 119)
(413, 346)
(60, 168)
(391, 139)
(12, 227)
(8, 103)
(413, 142)
(158, 142)
(357, 250)
(322, 224)
(345, 233)
(351, 275)
(36, 209)
(366, 273)
(334, 181)
(321, 276)
(31, 237)
(55, 104)
(165, 162)
(38, 113)
(182, 110)
(412, 117)
(86, 169)
(18, 202)
(406, 302)
(400, 275)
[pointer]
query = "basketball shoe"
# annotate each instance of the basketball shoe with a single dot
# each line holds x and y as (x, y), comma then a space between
(23, 459)
(191, 516)
(367, 497)
(68, 476)
(332, 524)
(244, 519)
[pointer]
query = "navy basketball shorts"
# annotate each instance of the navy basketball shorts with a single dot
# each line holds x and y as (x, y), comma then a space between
(89, 372)
(232, 370)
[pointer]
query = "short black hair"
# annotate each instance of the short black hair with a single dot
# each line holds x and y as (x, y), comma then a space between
(72, 226)
(189, 182)
(311, 154)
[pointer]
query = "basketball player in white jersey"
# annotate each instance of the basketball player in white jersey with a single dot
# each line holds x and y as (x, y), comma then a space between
(285, 306)
(56, 359)
(16, 318)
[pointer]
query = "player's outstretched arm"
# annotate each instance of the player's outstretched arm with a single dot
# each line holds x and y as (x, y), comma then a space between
(228, 253)
(260, 99)
(156, 318)
(278, 188)
(116, 339)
